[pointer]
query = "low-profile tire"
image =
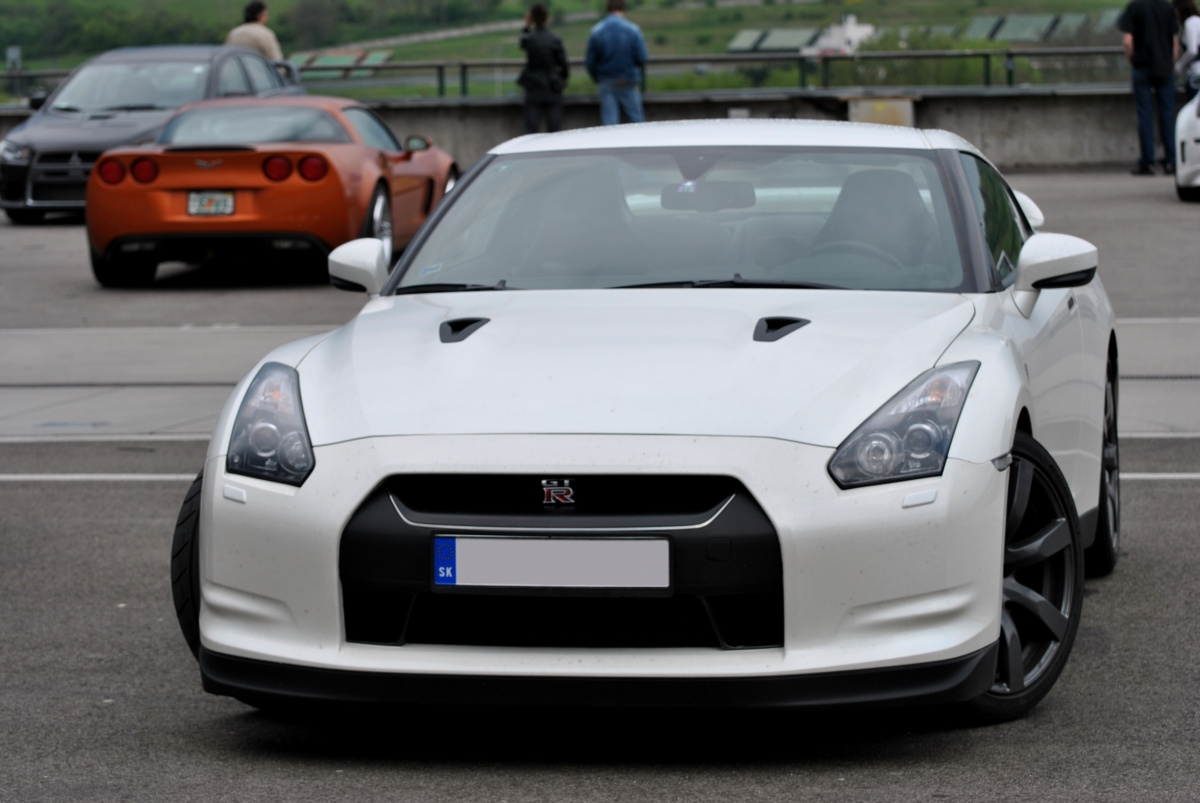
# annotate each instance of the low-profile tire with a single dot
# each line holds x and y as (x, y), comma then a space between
(122, 272)
(185, 567)
(1101, 557)
(25, 217)
(378, 222)
(1188, 193)
(1042, 588)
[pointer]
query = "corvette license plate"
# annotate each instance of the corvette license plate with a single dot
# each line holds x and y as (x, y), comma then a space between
(552, 562)
(210, 203)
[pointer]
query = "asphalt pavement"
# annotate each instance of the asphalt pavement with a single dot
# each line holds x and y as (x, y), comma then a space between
(106, 398)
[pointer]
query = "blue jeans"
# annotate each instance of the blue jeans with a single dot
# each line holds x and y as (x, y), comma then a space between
(1146, 89)
(617, 95)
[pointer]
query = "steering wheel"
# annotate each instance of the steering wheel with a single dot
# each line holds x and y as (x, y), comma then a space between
(856, 247)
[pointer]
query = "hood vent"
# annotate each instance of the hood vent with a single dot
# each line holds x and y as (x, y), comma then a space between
(768, 330)
(459, 329)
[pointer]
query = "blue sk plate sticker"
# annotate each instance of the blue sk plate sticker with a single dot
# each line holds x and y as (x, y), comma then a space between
(444, 562)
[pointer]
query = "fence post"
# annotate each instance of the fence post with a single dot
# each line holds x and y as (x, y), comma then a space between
(987, 69)
(462, 79)
(441, 75)
(1010, 67)
(803, 73)
(824, 73)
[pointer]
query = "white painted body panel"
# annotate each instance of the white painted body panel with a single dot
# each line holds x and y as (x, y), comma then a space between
(1187, 145)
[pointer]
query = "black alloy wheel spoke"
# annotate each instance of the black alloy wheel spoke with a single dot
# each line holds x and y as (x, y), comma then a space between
(1020, 485)
(1034, 603)
(1050, 540)
(1012, 668)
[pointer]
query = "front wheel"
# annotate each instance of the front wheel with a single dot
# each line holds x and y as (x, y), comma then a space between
(1187, 193)
(1101, 557)
(116, 271)
(378, 221)
(452, 176)
(185, 566)
(1042, 587)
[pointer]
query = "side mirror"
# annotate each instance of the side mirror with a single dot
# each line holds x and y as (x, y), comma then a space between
(288, 71)
(417, 142)
(359, 265)
(37, 99)
(1194, 80)
(1032, 212)
(1049, 261)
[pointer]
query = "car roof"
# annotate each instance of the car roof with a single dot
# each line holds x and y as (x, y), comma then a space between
(125, 55)
(327, 102)
(728, 133)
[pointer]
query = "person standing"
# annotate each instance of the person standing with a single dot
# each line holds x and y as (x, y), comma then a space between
(1150, 31)
(253, 34)
(616, 54)
(1189, 62)
(545, 74)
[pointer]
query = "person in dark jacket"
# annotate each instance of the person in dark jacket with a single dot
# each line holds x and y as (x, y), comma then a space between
(545, 74)
(1150, 35)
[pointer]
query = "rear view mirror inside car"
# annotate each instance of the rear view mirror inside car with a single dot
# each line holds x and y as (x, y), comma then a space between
(708, 196)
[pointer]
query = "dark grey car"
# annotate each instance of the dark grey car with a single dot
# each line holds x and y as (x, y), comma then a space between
(122, 97)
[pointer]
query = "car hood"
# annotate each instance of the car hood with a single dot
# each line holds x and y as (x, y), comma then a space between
(54, 131)
(660, 361)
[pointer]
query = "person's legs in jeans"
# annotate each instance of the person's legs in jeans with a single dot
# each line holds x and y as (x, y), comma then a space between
(609, 113)
(1164, 89)
(631, 101)
(1143, 101)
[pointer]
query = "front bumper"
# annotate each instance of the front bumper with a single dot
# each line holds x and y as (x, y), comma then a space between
(899, 575)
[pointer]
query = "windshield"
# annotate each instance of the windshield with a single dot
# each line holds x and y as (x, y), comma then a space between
(843, 218)
(233, 125)
(141, 85)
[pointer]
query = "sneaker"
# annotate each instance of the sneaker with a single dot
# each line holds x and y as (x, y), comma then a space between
(1142, 170)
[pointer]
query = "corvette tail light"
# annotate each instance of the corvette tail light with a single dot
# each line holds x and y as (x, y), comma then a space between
(313, 168)
(277, 168)
(144, 170)
(111, 171)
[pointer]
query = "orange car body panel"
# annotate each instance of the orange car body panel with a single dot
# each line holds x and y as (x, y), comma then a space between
(331, 209)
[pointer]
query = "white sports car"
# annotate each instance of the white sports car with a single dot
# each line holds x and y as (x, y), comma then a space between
(713, 413)
(1187, 150)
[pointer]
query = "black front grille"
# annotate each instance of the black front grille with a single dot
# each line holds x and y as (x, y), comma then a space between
(727, 577)
(87, 158)
(61, 177)
(60, 192)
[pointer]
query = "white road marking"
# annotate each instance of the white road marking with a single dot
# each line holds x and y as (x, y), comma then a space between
(97, 477)
(1164, 475)
(183, 437)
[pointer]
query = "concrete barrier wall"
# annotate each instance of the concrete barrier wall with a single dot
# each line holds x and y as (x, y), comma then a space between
(1014, 127)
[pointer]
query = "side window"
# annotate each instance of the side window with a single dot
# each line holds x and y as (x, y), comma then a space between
(262, 77)
(997, 215)
(371, 129)
(231, 79)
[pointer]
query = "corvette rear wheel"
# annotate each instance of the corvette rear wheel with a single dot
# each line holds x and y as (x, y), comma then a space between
(378, 223)
(1101, 557)
(1043, 585)
(185, 566)
(452, 177)
(122, 272)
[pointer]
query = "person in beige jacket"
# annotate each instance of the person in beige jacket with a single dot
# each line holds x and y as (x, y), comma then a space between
(254, 34)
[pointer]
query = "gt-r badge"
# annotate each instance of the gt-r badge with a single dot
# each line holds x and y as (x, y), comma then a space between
(205, 164)
(557, 491)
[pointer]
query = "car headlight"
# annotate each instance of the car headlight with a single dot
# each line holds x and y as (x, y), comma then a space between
(910, 436)
(270, 439)
(14, 154)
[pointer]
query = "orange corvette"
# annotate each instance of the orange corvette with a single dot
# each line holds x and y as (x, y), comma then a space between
(290, 176)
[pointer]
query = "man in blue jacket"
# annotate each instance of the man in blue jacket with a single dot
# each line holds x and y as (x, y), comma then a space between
(616, 53)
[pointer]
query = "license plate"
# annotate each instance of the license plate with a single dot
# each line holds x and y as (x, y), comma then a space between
(552, 562)
(210, 203)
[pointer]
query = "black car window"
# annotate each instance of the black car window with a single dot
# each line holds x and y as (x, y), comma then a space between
(243, 125)
(262, 77)
(371, 129)
(997, 215)
(231, 79)
(138, 85)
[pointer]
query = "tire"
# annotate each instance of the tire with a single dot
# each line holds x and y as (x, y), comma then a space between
(1043, 585)
(452, 177)
(25, 217)
(185, 567)
(1101, 557)
(1187, 193)
(378, 222)
(117, 272)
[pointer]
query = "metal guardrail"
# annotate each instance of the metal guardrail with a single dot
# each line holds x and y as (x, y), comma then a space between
(814, 70)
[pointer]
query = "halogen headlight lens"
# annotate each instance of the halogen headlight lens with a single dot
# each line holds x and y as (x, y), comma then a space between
(270, 438)
(14, 154)
(910, 436)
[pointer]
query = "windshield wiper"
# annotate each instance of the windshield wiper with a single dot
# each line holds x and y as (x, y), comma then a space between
(134, 107)
(451, 288)
(736, 281)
